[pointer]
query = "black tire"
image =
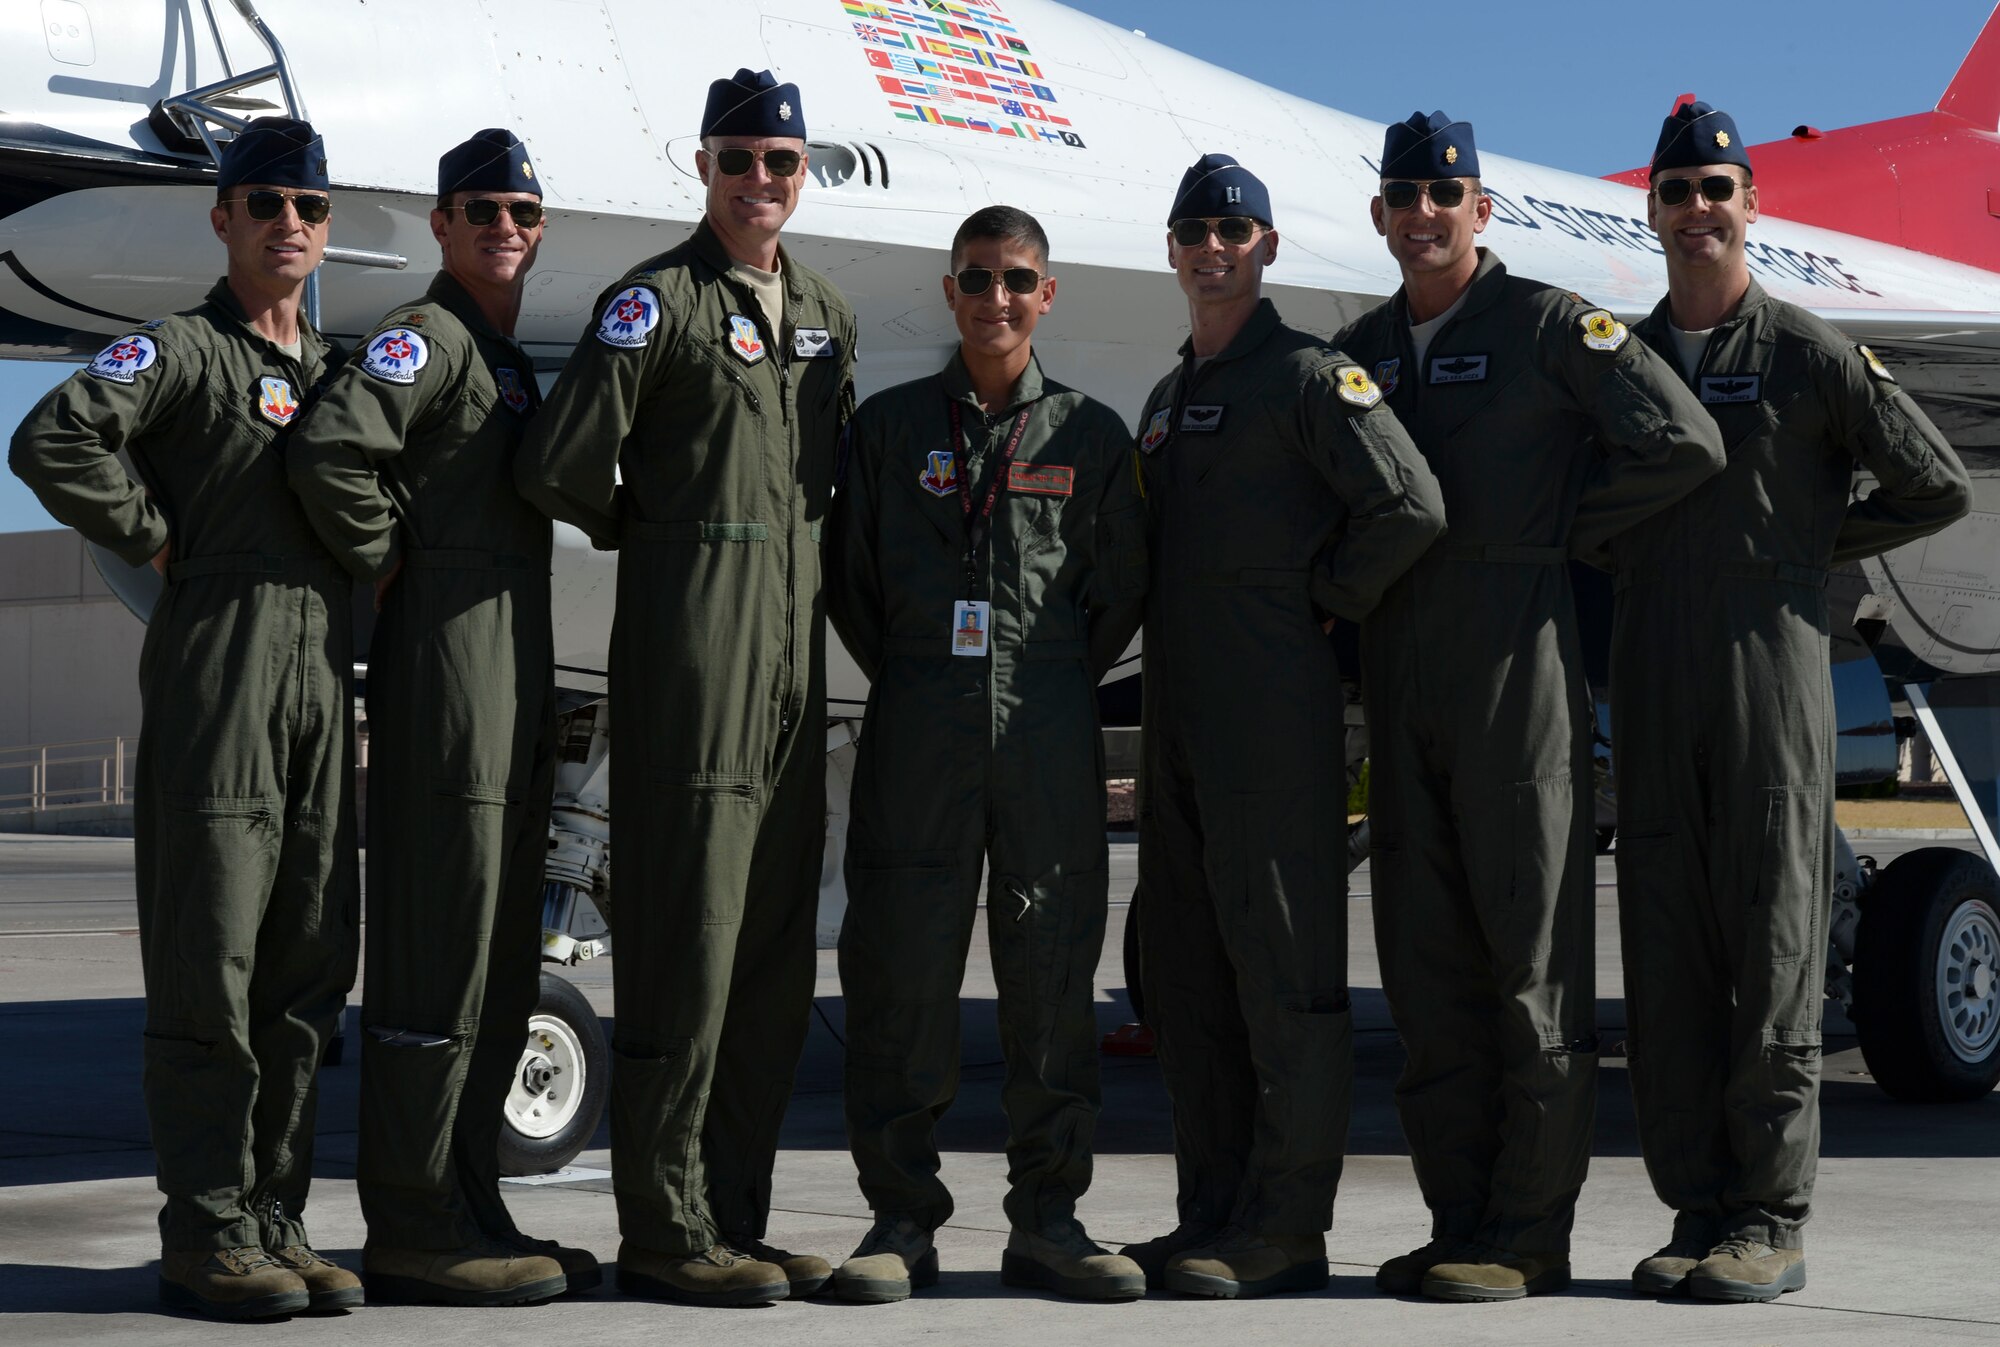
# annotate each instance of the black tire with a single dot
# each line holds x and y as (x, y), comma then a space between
(563, 1033)
(1929, 918)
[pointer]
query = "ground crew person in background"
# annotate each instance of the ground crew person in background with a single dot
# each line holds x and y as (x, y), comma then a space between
(247, 881)
(1479, 779)
(988, 566)
(1281, 494)
(406, 468)
(716, 383)
(1722, 711)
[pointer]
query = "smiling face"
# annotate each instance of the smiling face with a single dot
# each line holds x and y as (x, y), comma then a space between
(1426, 239)
(1214, 272)
(270, 256)
(497, 256)
(1700, 233)
(751, 206)
(998, 323)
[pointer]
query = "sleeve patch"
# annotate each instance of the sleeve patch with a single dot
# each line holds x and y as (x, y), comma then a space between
(396, 355)
(1355, 387)
(125, 359)
(1602, 332)
(1875, 365)
(632, 313)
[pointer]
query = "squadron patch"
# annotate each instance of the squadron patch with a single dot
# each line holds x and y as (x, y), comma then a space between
(1387, 374)
(1602, 332)
(1458, 369)
(940, 474)
(123, 359)
(1041, 479)
(1355, 388)
(1731, 387)
(276, 402)
(631, 314)
(1875, 366)
(395, 356)
(512, 391)
(1201, 420)
(1157, 430)
(745, 340)
(812, 343)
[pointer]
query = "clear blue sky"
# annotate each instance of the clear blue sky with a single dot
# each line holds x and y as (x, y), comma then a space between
(1578, 85)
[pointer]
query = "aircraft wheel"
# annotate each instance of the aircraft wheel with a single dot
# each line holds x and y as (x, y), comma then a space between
(1927, 977)
(558, 1094)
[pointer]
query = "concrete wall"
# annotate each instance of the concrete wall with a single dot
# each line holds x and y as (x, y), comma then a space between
(69, 651)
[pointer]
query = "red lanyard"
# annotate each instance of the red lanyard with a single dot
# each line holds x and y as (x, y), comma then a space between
(977, 527)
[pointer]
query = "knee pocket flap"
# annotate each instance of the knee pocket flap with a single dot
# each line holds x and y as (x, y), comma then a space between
(1785, 916)
(1275, 860)
(1521, 925)
(471, 793)
(222, 855)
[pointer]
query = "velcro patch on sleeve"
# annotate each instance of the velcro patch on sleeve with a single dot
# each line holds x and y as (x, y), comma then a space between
(1355, 387)
(1041, 479)
(629, 316)
(1875, 365)
(1602, 332)
(123, 360)
(396, 355)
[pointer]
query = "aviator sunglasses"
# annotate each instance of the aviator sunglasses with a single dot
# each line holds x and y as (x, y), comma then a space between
(1445, 193)
(482, 211)
(978, 280)
(1676, 191)
(1193, 231)
(264, 204)
(734, 163)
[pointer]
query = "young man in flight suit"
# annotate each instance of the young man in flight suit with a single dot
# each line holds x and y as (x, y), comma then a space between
(406, 468)
(1722, 707)
(1281, 495)
(1549, 430)
(695, 429)
(247, 876)
(988, 566)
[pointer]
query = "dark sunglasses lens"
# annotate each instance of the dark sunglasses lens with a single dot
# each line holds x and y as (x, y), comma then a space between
(1673, 192)
(975, 281)
(1190, 233)
(1447, 193)
(480, 212)
(782, 163)
(1718, 188)
(1023, 280)
(1235, 229)
(264, 205)
(1399, 195)
(312, 209)
(734, 163)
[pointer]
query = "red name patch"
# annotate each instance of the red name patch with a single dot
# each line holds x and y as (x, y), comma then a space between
(1040, 479)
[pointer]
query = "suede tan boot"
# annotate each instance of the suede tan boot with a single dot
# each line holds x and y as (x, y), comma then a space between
(1067, 1261)
(1497, 1274)
(805, 1273)
(895, 1258)
(331, 1286)
(485, 1274)
(1239, 1264)
(1746, 1270)
(717, 1276)
(244, 1283)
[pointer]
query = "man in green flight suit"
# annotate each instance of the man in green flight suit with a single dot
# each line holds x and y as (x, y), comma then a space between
(1722, 711)
(247, 881)
(406, 468)
(1549, 430)
(988, 566)
(715, 385)
(1281, 495)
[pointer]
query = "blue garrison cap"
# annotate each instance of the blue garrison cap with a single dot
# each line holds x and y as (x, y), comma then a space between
(1216, 185)
(1432, 146)
(279, 151)
(493, 160)
(753, 103)
(1695, 135)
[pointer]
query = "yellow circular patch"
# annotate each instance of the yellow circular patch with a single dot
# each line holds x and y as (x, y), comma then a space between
(1356, 380)
(1602, 325)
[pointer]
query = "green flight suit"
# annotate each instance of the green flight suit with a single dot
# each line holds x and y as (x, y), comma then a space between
(969, 760)
(410, 454)
(1722, 718)
(1549, 429)
(724, 433)
(247, 879)
(1279, 489)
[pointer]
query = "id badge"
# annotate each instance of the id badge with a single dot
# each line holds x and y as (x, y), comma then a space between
(971, 626)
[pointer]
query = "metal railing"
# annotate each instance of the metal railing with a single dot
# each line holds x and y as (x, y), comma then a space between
(68, 776)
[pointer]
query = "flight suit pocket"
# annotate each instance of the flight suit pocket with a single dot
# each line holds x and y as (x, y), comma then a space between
(222, 853)
(1783, 923)
(712, 816)
(1523, 930)
(1271, 864)
(901, 933)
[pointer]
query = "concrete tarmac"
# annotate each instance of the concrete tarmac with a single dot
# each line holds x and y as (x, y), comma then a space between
(1901, 1249)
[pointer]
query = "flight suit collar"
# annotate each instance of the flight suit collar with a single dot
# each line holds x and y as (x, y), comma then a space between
(312, 346)
(1262, 323)
(708, 247)
(957, 381)
(1488, 282)
(1661, 318)
(445, 289)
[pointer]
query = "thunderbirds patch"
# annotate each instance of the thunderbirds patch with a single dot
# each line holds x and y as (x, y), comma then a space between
(631, 314)
(276, 402)
(123, 359)
(1355, 388)
(396, 355)
(1602, 332)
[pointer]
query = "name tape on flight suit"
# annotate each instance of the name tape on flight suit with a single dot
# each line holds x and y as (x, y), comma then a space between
(1732, 387)
(632, 313)
(1041, 479)
(812, 343)
(1458, 369)
(123, 359)
(1201, 420)
(395, 356)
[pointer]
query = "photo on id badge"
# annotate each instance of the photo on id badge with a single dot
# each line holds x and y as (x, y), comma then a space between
(970, 619)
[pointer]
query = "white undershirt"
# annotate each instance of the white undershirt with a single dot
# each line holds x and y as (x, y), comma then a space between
(295, 350)
(769, 290)
(1690, 346)
(1421, 333)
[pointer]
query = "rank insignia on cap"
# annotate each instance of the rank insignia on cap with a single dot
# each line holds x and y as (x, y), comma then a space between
(1451, 154)
(123, 359)
(1722, 139)
(275, 402)
(1157, 430)
(527, 170)
(395, 356)
(631, 314)
(1875, 365)
(784, 112)
(940, 474)
(1387, 373)
(745, 340)
(512, 391)
(1355, 388)
(1602, 332)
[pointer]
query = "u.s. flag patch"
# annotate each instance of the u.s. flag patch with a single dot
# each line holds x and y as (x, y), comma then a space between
(123, 359)
(632, 313)
(395, 356)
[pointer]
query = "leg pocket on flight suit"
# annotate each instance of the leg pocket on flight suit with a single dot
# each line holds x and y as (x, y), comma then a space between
(465, 849)
(222, 853)
(714, 816)
(898, 948)
(1523, 931)
(1784, 915)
